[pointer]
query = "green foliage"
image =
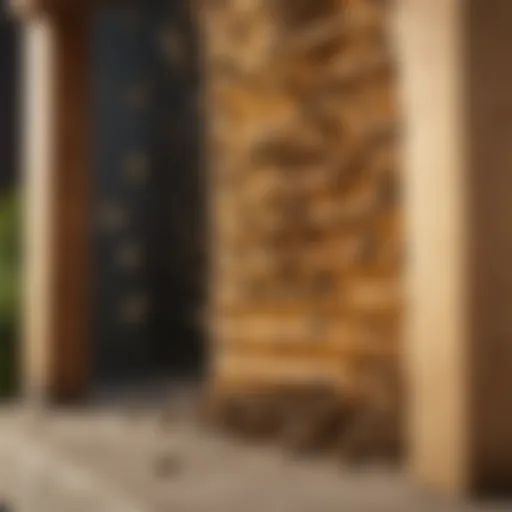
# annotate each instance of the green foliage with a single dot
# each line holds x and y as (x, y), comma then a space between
(9, 290)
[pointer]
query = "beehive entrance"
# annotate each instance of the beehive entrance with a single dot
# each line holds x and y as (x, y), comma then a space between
(307, 259)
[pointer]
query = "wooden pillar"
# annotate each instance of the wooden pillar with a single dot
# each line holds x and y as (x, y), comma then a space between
(457, 97)
(57, 173)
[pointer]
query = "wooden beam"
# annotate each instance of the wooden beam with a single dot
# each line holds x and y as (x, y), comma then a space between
(57, 172)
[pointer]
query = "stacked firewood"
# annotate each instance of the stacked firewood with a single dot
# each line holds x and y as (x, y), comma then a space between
(306, 245)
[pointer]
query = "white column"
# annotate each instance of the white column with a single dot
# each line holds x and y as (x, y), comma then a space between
(38, 180)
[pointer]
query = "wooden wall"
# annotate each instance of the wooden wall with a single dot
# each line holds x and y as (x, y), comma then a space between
(306, 231)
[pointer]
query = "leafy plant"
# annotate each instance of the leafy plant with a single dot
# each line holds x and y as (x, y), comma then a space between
(9, 290)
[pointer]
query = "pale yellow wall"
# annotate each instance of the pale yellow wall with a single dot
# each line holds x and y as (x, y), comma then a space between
(457, 97)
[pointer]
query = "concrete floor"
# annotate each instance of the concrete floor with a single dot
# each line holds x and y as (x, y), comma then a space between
(109, 460)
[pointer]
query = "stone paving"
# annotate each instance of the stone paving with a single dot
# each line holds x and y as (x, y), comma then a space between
(109, 460)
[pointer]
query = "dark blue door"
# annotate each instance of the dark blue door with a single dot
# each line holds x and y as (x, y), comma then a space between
(148, 215)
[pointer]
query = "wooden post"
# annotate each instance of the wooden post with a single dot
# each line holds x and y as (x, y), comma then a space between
(456, 84)
(57, 174)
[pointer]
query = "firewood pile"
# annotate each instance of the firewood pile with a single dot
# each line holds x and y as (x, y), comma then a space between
(306, 230)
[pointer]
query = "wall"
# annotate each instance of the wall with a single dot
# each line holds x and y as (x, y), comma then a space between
(307, 249)
(488, 44)
(455, 85)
